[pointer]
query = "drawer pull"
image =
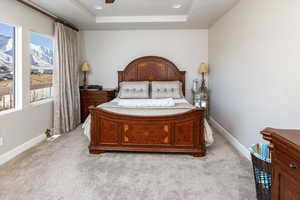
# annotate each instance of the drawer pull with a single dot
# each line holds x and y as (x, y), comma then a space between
(293, 166)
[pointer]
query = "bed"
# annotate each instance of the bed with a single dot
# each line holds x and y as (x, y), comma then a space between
(178, 129)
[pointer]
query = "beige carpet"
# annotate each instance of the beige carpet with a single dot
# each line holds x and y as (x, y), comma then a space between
(64, 170)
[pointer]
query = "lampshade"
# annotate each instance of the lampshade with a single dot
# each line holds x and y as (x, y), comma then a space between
(203, 68)
(85, 67)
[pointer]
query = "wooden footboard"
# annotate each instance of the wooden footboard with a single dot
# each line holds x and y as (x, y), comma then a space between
(181, 133)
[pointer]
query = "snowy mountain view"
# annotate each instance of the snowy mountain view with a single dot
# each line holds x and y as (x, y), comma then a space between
(6, 67)
(6, 51)
(41, 57)
(41, 51)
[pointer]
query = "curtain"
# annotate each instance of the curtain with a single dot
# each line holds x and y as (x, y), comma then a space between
(66, 80)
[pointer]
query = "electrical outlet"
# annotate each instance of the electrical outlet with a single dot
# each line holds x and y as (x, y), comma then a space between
(1, 141)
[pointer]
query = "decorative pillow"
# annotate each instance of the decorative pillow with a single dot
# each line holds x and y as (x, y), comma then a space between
(166, 89)
(134, 90)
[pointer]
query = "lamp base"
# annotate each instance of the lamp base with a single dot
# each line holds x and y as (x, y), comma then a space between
(85, 86)
(202, 82)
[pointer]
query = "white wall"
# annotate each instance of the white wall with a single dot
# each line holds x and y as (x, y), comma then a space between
(20, 126)
(255, 68)
(110, 51)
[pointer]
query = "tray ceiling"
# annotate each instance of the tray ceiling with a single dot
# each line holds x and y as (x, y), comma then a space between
(138, 14)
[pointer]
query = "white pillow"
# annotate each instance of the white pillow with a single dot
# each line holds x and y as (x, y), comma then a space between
(166, 89)
(134, 90)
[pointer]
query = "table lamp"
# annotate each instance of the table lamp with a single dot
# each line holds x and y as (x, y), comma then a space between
(203, 69)
(85, 68)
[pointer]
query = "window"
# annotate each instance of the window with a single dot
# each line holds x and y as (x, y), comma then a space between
(7, 67)
(41, 78)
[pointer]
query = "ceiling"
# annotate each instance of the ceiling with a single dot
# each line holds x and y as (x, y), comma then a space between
(138, 14)
(138, 7)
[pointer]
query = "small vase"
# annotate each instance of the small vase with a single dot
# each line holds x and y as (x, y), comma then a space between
(195, 88)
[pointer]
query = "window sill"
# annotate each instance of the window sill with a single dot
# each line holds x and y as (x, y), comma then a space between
(44, 101)
(33, 104)
(6, 112)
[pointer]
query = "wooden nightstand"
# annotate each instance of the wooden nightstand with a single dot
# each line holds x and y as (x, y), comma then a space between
(94, 98)
(285, 152)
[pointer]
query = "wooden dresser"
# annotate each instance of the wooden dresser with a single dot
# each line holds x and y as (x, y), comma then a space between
(94, 98)
(285, 150)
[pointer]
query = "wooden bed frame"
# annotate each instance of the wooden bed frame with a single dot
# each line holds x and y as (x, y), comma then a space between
(180, 133)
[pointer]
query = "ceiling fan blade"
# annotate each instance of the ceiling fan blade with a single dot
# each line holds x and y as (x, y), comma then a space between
(109, 1)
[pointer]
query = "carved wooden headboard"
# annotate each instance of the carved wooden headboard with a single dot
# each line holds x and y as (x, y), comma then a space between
(152, 68)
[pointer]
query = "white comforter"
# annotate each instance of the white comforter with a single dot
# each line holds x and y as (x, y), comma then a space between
(146, 102)
(134, 102)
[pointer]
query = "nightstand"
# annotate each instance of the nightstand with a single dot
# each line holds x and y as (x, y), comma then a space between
(94, 98)
(200, 100)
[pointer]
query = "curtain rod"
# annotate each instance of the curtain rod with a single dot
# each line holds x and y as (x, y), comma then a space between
(56, 19)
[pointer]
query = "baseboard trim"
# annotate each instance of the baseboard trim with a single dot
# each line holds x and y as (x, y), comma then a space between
(232, 140)
(20, 149)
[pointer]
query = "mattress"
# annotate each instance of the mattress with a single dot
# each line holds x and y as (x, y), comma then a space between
(181, 106)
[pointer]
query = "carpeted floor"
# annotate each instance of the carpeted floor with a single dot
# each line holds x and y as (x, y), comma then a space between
(64, 170)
